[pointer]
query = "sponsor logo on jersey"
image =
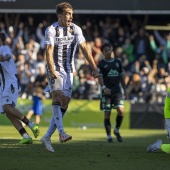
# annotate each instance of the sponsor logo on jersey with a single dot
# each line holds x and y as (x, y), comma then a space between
(105, 66)
(64, 40)
(71, 31)
(113, 73)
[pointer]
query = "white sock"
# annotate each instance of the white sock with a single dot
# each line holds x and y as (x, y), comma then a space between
(51, 129)
(26, 136)
(58, 118)
(30, 124)
(167, 123)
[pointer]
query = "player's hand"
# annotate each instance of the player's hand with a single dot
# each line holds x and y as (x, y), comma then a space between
(54, 74)
(107, 91)
(95, 73)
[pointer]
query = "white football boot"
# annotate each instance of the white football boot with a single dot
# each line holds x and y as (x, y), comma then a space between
(47, 142)
(155, 146)
(64, 137)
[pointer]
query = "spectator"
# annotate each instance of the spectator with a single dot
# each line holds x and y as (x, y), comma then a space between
(161, 52)
(141, 43)
(84, 68)
(120, 39)
(128, 50)
(41, 79)
(25, 36)
(134, 89)
(24, 78)
(96, 53)
(89, 86)
(119, 54)
(79, 60)
(162, 81)
(37, 105)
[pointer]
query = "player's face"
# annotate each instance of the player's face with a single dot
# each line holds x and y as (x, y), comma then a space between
(65, 19)
(107, 51)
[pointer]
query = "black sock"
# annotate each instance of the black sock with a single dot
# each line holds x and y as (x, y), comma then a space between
(25, 120)
(22, 131)
(63, 111)
(107, 126)
(118, 121)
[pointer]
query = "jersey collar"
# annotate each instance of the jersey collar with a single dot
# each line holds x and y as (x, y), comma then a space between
(109, 60)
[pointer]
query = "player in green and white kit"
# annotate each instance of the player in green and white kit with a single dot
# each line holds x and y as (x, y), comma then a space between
(158, 144)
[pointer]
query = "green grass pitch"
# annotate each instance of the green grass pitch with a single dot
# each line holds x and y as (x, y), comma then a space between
(88, 150)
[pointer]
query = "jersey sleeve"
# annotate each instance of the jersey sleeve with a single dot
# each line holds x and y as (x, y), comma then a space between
(79, 35)
(49, 36)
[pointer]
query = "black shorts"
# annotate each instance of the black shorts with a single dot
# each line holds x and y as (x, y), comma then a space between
(107, 103)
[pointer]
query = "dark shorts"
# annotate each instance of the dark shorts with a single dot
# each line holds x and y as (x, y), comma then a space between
(107, 103)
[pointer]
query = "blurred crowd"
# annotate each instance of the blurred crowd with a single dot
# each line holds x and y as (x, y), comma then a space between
(145, 54)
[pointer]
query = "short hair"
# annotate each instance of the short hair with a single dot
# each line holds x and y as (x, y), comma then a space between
(2, 37)
(62, 6)
(105, 45)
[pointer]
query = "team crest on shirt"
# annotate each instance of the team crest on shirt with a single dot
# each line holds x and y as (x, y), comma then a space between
(117, 65)
(52, 81)
(71, 31)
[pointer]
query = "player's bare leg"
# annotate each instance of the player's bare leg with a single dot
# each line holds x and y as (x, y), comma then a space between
(18, 125)
(9, 109)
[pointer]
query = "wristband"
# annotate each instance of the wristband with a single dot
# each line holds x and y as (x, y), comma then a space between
(103, 87)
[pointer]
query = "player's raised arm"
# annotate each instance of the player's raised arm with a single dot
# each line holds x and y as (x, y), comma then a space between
(89, 58)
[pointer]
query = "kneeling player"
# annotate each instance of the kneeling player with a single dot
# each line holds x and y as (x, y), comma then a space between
(158, 144)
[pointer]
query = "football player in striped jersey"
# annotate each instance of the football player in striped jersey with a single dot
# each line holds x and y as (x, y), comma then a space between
(9, 92)
(61, 40)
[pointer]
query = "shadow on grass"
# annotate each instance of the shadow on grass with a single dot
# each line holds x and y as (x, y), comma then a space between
(93, 154)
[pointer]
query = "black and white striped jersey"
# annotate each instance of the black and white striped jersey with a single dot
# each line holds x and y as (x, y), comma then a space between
(65, 41)
(7, 69)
